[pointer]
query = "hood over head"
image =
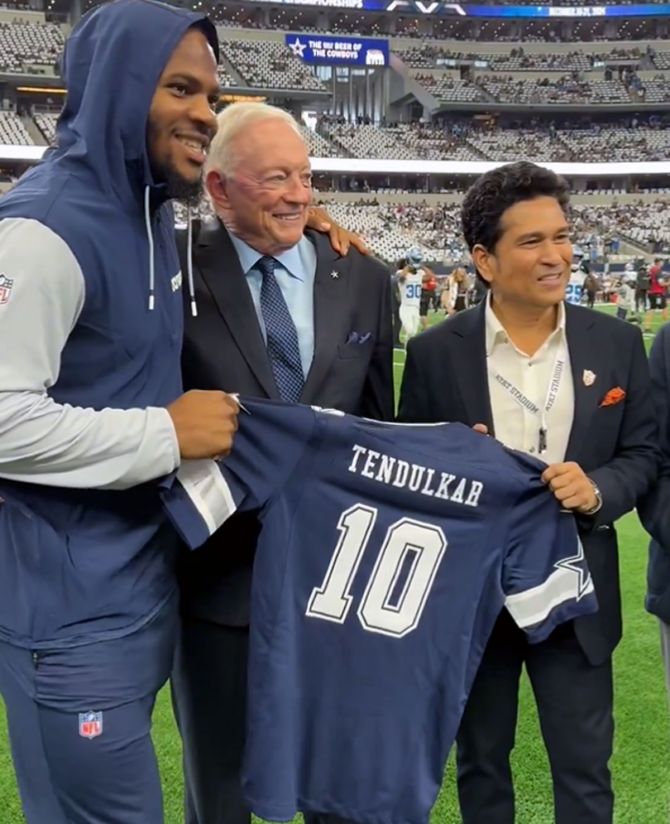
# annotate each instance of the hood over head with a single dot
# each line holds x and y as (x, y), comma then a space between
(112, 62)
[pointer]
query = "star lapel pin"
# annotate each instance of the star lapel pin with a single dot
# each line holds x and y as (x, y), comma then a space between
(588, 377)
(335, 274)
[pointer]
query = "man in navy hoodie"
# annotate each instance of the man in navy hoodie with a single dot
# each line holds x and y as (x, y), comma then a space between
(92, 412)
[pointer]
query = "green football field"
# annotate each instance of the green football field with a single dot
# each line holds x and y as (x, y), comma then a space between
(641, 761)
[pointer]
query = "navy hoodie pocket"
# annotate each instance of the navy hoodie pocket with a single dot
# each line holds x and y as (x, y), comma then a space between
(31, 565)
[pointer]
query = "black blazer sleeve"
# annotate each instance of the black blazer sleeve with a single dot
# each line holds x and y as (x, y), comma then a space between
(377, 400)
(628, 476)
(413, 406)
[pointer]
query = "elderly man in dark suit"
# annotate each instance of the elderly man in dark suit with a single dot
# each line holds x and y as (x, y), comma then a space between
(280, 315)
(570, 386)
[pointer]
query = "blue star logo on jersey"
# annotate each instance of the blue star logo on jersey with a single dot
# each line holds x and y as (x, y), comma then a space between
(298, 48)
(576, 564)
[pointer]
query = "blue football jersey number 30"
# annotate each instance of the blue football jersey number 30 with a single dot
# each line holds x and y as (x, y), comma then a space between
(332, 600)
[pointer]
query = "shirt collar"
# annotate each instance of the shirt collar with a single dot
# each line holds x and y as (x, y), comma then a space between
(496, 334)
(289, 260)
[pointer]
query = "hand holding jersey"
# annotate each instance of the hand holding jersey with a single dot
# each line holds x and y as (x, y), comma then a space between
(570, 484)
(204, 422)
(572, 487)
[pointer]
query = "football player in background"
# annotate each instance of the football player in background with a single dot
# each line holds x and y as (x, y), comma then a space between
(658, 293)
(578, 273)
(415, 281)
(410, 284)
(625, 305)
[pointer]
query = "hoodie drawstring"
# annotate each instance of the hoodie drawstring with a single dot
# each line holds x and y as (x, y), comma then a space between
(189, 263)
(150, 238)
(152, 263)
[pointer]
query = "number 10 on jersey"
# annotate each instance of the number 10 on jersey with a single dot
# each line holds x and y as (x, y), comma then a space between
(413, 546)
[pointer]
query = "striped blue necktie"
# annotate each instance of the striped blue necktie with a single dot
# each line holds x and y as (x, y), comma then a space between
(281, 334)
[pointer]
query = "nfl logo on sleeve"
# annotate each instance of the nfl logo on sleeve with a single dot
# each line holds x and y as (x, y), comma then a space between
(90, 724)
(5, 288)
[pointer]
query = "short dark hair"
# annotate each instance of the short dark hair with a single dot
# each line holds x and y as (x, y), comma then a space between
(495, 191)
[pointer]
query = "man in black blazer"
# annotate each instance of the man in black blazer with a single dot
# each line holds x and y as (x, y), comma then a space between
(338, 312)
(570, 386)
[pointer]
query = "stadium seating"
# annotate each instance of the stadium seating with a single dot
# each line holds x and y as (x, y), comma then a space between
(656, 90)
(318, 146)
(448, 89)
(505, 145)
(420, 141)
(564, 90)
(226, 79)
(617, 144)
(368, 141)
(647, 224)
(46, 123)
(29, 44)
(427, 56)
(270, 65)
(390, 229)
(12, 130)
(463, 142)
(433, 142)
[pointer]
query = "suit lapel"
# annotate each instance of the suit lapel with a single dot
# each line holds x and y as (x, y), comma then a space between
(332, 287)
(586, 356)
(469, 366)
(221, 271)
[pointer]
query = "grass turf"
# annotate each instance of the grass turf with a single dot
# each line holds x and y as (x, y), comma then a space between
(641, 761)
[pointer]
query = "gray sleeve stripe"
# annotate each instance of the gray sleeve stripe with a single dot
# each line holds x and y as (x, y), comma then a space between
(42, 441)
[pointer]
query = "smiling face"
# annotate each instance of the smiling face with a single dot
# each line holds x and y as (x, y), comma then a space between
(530, 263)
(181, 119)
(265, 199)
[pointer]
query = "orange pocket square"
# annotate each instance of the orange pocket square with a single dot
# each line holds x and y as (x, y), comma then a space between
(613, 397)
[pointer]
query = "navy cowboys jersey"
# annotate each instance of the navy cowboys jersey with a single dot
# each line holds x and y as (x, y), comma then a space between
(386, 554)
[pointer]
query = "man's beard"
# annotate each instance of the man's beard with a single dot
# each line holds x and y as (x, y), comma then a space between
(189, 192)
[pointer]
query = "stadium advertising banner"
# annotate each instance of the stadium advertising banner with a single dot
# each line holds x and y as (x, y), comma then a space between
(473, 10)
(333, 50)
(645, 10)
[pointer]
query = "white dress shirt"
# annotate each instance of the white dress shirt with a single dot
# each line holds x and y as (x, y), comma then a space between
(521, 387)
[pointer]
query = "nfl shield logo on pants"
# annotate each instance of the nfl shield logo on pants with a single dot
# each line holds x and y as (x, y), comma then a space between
(5, 288)
(90, 724)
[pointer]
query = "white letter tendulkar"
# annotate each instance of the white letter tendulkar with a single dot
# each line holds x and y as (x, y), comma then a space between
(386, 469)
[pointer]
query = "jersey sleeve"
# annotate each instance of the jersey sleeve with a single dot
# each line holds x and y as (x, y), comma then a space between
(546, 579)
(269, 443)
